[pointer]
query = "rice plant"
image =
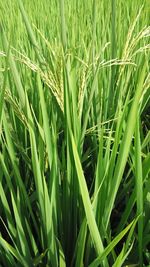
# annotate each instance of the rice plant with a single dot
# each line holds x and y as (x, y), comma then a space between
(74, 133)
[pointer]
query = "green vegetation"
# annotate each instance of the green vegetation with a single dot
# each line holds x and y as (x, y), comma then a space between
(74, 133)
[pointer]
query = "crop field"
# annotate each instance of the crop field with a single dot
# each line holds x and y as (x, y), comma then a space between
(74, 133)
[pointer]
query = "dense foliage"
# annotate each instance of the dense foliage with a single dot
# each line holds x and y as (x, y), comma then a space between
(74, 133)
